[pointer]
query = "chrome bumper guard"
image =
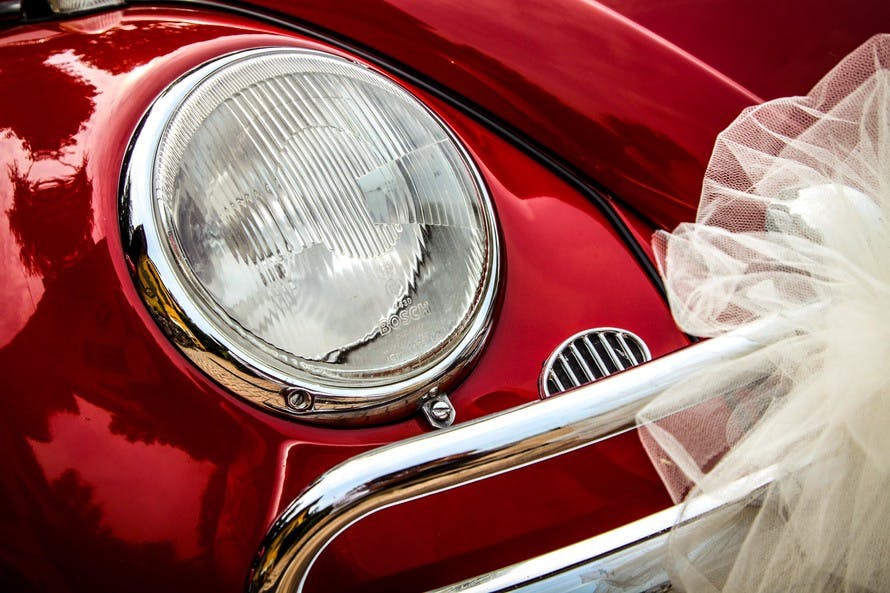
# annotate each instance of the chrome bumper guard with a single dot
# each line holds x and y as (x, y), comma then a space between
(630, 559)
(489, 446)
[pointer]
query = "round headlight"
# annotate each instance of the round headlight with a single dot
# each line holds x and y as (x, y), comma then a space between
(310, 234)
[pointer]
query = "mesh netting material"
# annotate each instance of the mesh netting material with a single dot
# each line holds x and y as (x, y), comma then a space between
(791, 230)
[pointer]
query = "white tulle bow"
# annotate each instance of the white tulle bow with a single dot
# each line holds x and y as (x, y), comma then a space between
(793, 216)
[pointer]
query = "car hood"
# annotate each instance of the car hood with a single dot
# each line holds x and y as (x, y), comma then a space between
(629, 93)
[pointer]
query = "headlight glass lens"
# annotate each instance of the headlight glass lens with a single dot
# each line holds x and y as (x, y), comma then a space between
(323, 224)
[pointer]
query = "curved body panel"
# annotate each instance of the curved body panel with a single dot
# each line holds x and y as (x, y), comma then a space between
(128, 467)
(629, 92)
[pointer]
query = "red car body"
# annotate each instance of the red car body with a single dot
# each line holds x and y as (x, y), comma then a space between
(126, 468)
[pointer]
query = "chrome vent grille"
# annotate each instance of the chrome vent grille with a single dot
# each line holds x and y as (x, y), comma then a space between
(591, 355)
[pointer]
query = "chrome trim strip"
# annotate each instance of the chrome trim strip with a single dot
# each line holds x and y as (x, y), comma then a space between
(628, 350)
(552, 375)
(629, 558)
(559, 355)
(600, 363)
(477, 450)
(587, 372)
(568, 369)
(610, 351)
(10, 10)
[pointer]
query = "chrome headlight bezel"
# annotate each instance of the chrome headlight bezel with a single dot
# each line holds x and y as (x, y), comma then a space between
(171, 297)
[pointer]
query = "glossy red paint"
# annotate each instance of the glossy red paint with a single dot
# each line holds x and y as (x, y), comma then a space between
(630, 92)
(126, 468)
(619, 103)
(775, 49)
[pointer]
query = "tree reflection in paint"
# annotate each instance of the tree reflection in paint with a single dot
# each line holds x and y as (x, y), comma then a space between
(52, 221)
(82, 352)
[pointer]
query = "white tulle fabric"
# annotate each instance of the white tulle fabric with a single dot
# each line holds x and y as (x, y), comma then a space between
(792, 230)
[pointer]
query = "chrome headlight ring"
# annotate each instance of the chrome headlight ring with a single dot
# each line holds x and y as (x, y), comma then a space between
(204, 287)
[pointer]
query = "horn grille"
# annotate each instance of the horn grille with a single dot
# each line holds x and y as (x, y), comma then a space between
(591, 355)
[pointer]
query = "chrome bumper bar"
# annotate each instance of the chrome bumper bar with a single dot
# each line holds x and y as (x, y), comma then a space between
(476, 450)
(630, 558)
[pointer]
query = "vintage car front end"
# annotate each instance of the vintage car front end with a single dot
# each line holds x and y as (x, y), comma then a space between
(244, 245)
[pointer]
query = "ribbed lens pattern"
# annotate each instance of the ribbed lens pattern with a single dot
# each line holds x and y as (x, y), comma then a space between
(72, 6)
(327, 218)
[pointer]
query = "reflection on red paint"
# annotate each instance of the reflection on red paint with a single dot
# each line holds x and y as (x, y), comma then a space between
(20, 291)
(125, 475)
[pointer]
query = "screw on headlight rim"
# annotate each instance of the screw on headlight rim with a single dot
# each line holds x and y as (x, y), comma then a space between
(298, 400)
(438, 410)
